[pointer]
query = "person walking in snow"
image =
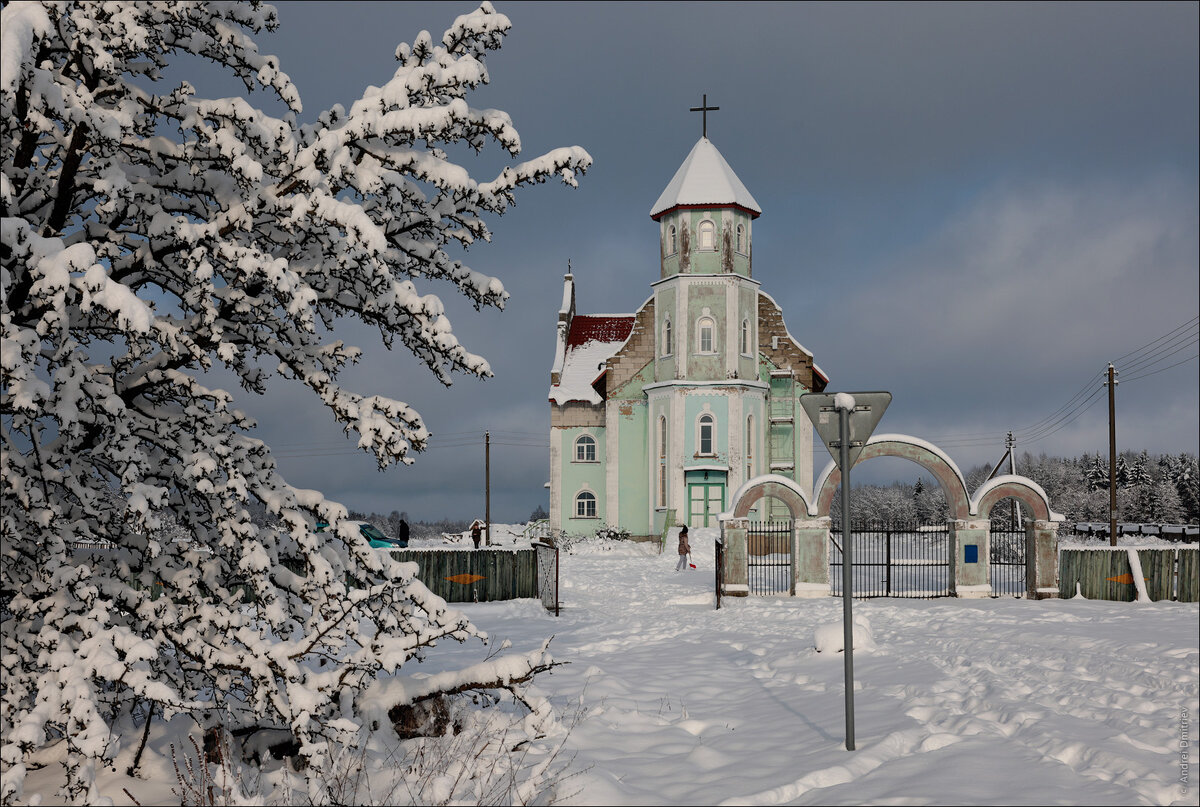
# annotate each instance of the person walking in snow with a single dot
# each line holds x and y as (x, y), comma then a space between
(685, 549)
(475, 533)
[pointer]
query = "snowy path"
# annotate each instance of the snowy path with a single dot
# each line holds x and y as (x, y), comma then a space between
(995, 701)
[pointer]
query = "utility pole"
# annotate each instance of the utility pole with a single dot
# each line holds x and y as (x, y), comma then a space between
(1112, 455)
(1012, 469)
(487, 487)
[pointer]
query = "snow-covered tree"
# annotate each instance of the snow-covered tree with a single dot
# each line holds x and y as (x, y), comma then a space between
(149, 236)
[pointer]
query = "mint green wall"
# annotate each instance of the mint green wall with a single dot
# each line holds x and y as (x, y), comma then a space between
(706, 262)
(664, 307)
(633, 448)
(748, 310)
(706, 367)
(575, 474)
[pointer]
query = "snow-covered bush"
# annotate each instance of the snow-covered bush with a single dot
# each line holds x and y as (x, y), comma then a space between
(150, 235)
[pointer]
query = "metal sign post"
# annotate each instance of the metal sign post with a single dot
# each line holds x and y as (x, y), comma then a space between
(858, 414)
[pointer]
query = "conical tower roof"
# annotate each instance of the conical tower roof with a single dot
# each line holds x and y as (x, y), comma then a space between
(705, 180)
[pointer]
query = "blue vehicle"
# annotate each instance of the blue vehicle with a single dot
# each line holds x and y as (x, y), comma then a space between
(373, 534)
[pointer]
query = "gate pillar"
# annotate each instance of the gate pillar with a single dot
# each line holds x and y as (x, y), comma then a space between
(970, 547)
(810, 557)
(1041, 559)
(736, 572)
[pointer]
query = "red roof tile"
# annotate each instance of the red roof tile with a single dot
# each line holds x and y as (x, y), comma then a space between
(611, 328)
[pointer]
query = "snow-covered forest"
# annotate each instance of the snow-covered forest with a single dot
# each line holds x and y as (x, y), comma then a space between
(1162, 489)
(151, 237)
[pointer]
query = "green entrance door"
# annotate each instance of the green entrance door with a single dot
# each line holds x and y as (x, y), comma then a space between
(705, 501)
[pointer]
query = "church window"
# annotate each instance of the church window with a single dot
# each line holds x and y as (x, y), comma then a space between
(704, 335)
(662, 461)
(707, 234)
(745, 337)
(585, 504)
(706, 434)
(666, 337)
(585, 448)
(741, 238)
(749, 446)
(672, 240)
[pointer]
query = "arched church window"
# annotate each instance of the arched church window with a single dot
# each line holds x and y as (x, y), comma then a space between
(707, 234)
(749, 446)
(706, 434)
(741, 238)
(585, 504)
(666, 337)
(672, 240)
(704, 335)
(662, 461)
(745, 337)
(585, 448)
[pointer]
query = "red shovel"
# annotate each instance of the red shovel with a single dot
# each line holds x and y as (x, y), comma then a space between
(690, 564)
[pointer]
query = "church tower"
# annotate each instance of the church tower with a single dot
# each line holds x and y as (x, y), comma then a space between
(659, 416)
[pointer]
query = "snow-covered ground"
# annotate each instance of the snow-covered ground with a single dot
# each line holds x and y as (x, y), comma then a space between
(982, 702)
(973, 702)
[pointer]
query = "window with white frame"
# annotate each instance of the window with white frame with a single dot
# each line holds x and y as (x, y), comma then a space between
(741, 238)
(666, 337)
(585, 504)
(585, 448)
(707, 425)
(705, 328)
(706, 234)
(672, 240)
(745, 337)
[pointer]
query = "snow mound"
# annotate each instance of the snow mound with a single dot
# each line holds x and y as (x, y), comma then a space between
(830, 637)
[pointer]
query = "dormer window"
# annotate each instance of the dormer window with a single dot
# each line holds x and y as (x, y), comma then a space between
(672, 240)
(741, 239)
(707, 235)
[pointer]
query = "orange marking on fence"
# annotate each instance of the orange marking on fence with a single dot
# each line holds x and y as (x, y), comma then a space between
(465, 578)
(1125, 578)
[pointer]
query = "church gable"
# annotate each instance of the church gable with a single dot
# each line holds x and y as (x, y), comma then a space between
(637, 351)
(591, 340)
(781, 349)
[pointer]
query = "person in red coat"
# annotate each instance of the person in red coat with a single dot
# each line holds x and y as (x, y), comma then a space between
(685, 549)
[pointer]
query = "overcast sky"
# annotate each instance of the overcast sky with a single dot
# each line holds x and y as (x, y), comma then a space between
(972, 206)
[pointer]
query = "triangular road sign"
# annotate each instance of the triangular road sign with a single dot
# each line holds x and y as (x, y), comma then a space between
(865, 408)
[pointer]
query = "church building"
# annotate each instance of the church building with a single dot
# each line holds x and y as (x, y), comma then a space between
(657, 417)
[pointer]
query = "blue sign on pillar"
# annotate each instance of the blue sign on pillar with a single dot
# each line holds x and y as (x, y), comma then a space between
(971, 553)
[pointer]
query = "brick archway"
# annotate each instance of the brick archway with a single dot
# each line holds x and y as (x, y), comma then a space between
(774, 486)
(1024, 490)
(927, 455)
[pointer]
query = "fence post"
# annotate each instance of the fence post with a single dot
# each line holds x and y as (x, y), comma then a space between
(736, 572)
(887, 552)
(969, 562)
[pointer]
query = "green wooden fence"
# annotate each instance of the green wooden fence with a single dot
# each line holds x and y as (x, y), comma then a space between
(1104, 573)
(475, 575)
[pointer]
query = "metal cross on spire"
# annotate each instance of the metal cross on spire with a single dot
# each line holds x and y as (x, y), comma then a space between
(704, 109)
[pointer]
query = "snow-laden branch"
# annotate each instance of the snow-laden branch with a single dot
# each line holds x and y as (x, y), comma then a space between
(150, 235)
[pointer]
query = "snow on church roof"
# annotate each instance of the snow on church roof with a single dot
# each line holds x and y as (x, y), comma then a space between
(592, 340)
(704, 179)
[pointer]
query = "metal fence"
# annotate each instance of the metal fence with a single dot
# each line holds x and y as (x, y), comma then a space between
(769, 557)
(1007, 562)
(893, 560)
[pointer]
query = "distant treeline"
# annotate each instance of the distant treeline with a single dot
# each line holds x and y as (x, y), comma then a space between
(1162, 489)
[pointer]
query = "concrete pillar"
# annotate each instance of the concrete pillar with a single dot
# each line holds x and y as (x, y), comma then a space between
(1041, 559)
(736, 573)
(970, 548)
(810, 558)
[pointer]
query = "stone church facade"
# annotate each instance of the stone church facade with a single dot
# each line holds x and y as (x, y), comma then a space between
(658, 416)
